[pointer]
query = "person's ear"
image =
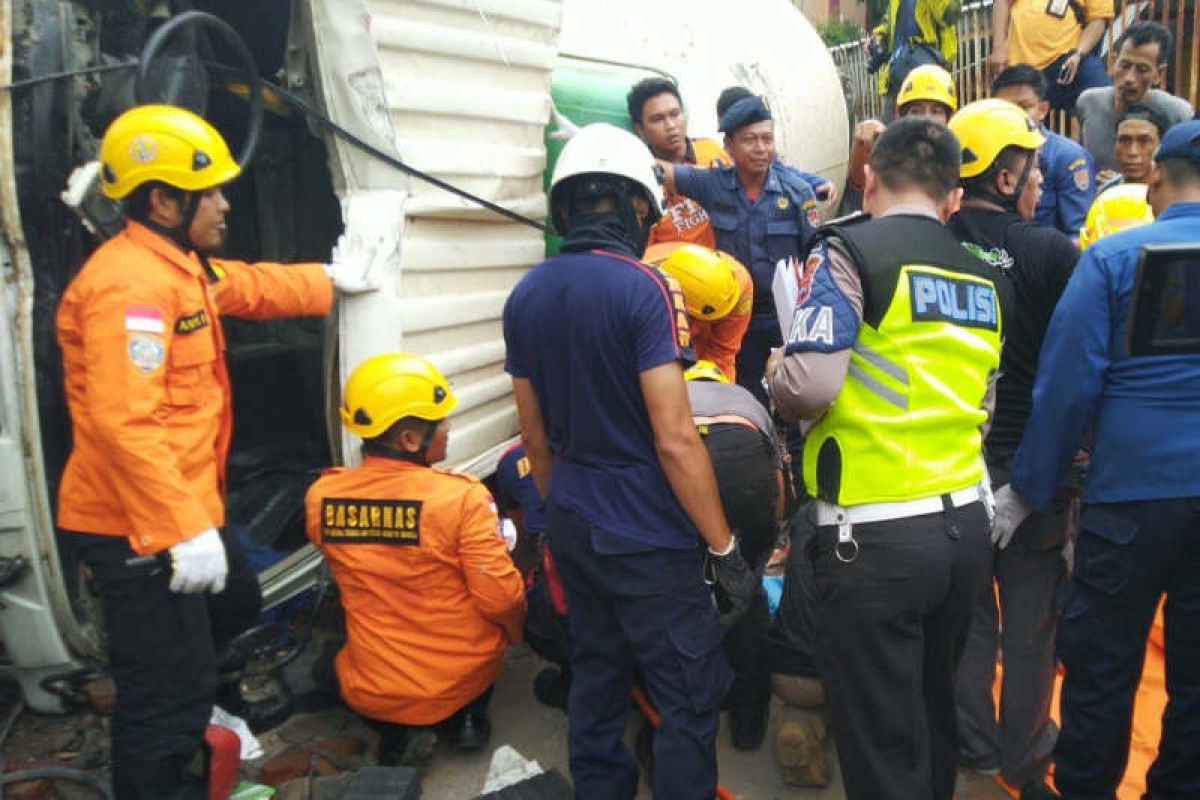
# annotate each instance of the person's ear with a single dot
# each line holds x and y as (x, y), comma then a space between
(1160, 76)
(870, 189)
(950, 205)
(409, 440)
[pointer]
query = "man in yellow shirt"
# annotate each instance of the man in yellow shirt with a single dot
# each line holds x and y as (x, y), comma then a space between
(1055, 36)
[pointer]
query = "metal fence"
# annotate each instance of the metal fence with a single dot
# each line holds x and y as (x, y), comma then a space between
(975, 45)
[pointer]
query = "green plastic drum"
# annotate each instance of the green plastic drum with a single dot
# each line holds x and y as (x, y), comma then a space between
(584, 93)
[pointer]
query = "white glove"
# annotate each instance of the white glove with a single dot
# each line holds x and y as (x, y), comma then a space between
(351, 266)
(564, 129)
(82, 180)
(198, 564)
(1011, 511)
(508, 532)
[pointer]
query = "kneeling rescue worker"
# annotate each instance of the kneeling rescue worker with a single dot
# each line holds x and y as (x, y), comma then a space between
(148, 391)
(595, 341)
(431, 597)
(718, 293)
(894, 348)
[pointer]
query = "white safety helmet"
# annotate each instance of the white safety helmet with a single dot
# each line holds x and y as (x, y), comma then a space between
(603, 150)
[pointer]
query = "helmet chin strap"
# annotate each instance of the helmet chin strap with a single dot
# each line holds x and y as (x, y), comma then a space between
(637, 233)
(189, 204)
(421, 456)
(1008, 203)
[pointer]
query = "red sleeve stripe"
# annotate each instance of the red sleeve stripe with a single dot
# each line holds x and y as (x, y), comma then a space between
(650, 273)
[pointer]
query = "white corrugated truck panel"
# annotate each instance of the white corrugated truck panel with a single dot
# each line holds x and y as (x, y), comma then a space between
(465, 87)
(765, 45)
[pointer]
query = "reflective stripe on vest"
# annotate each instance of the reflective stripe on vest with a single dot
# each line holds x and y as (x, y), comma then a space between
(906, 423)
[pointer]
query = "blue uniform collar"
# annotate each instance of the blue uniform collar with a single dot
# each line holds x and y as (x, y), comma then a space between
(771, 184)
(1180, 210)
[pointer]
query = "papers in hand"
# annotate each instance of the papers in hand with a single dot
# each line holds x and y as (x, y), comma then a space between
(786, 290)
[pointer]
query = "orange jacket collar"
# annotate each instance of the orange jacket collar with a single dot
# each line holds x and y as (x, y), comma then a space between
(164, 247)
(383, 462)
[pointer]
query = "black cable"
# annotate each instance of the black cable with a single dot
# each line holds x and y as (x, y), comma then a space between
(395, 162)
(71, 73)
(58, 774)
(332, 126)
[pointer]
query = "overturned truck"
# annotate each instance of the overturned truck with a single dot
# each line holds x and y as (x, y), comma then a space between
(418, 123)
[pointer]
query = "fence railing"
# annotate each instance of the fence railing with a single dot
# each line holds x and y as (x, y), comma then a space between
(975, 45)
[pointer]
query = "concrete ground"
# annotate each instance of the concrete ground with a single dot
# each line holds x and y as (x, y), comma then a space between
(540, 733)
(518, 719)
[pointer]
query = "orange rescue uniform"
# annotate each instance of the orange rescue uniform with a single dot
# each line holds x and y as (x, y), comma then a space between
(147, 387)
(431, 596)
(683, 219)
(719, 341)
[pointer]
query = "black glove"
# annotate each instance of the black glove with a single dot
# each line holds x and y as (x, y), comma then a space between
(737, 582)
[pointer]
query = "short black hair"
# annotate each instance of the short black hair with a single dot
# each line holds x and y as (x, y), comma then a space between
(1181, 172)
(1145, 112)
(136, 204)
(1148, 32)
(729, 96)
(646, 89)
(1021, 75)
(918, 153)
(1007, 159)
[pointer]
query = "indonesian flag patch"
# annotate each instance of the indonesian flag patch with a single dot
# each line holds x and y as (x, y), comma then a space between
(143, 319)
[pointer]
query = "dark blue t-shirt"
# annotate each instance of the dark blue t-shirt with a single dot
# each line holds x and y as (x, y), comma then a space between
(581, 327)
(517, 489)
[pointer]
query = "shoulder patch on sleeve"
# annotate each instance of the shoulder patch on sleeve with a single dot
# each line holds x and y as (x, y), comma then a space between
(144, 319)
(823, 321)
(146, 352)
(1082, 177)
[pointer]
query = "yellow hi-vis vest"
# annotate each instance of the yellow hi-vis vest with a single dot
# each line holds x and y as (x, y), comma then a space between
(905, 425)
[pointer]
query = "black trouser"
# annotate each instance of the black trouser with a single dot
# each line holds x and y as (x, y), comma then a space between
(891, 627)
(648, 611)
(744, 464)
(1126, 557)
(162, 657)
(791, 637)
(1028, 574)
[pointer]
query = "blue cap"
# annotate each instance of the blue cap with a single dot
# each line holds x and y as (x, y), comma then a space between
(1181, 141)
(746, 111)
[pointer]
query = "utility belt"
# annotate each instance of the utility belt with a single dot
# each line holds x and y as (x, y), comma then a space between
(703, 423)
(846, 549)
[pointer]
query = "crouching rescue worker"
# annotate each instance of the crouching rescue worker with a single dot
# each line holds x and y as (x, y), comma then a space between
(148, 391)
(718, 293)
(892, 352)
(746, 458)
(431, 597)
(595, 339)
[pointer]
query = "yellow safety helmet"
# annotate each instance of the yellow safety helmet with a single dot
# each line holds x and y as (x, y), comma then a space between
(387, 388)
(707, 277)
(984, 128)
(163, 143)
(704, 371)
(1115, 209)
(928, 82)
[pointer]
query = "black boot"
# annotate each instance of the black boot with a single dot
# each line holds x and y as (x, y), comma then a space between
(747, 726)
(405, 746)
(471, 731)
